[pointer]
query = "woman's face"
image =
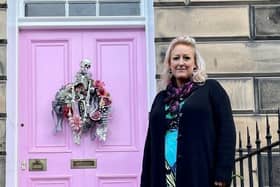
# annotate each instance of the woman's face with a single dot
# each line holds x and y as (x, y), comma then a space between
(182, 63)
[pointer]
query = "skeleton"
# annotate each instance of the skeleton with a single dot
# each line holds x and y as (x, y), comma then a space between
(83, 100)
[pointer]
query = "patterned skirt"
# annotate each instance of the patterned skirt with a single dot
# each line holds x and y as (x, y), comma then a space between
(170, 176)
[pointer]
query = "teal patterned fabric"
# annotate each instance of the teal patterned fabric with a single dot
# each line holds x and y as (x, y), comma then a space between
(171, 149)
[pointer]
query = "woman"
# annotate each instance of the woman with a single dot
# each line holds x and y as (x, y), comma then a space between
(191, 134)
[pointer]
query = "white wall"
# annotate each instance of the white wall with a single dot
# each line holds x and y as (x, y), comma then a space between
(11, 96)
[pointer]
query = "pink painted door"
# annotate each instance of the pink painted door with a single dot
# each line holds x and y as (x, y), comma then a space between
(50, 59)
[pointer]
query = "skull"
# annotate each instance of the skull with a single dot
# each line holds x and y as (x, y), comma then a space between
(85, 64)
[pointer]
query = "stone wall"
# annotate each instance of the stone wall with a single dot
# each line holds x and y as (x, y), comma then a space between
(240, 42)
(3, 78)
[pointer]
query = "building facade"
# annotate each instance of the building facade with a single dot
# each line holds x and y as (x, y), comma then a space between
(3, 78)
(239, 40)
(126, 41)
(50, 39)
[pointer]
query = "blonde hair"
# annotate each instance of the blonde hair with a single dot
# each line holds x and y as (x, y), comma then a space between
(199, 75)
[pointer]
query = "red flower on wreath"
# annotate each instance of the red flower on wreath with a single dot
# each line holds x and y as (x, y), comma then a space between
(106, 101)
(102, 91)
(95, 116)
(66, 110)
(76, 123)
(98, 84)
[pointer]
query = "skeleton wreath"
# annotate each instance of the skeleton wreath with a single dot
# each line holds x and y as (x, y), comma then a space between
(84, 104)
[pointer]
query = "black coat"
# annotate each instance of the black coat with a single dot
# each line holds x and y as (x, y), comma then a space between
(206, 140)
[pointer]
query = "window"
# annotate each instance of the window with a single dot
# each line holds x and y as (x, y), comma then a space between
(44, 9)
(82, 9)
(121, 8)
(65, 8)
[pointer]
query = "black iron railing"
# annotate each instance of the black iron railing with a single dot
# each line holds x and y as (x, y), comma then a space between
(263, 174)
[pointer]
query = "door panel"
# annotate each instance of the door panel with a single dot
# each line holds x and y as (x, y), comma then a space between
(50, 59)
(120, 63)
(121, 181)
(50, 181)
(46, 61)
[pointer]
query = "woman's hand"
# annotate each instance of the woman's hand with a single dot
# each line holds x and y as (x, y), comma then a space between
(219, 184)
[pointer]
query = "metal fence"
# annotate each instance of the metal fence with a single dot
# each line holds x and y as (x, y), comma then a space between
(266, 160)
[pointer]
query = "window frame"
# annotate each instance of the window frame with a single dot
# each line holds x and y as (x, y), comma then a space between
(97, 2)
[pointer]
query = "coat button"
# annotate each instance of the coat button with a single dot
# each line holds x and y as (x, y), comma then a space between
(179, 156)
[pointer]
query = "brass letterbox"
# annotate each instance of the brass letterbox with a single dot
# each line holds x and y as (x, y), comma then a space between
(37, 164)
(83, 163)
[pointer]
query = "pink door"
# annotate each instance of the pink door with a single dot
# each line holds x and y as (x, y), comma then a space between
(50, 59)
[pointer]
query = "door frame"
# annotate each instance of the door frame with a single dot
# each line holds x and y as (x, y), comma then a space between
(13, 27)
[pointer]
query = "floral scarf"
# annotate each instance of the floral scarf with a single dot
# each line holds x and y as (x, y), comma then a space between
(175, 95)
